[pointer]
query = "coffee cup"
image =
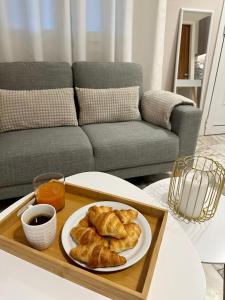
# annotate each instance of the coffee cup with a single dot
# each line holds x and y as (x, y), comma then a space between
(39, 225)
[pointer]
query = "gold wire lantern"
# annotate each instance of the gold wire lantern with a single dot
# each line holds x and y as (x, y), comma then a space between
(195, 188)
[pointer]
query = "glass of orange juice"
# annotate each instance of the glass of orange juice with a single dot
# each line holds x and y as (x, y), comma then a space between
(50, 189)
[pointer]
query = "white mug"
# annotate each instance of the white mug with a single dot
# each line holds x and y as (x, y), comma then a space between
(39, 236)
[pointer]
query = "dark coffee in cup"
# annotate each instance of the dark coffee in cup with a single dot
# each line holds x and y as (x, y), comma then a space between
(39, 220)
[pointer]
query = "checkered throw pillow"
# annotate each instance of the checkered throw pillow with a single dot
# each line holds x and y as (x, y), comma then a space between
(37, 108)
(108, 105)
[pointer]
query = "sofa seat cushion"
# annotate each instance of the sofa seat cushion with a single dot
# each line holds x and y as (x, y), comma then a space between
(130, 144)
(25, 154)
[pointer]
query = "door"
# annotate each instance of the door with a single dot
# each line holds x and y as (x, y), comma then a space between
(183, 70)
(215, 123)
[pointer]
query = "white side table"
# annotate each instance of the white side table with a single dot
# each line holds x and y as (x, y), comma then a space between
(208, 237)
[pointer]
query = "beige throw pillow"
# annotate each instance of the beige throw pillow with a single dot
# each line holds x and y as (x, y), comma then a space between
(108, 105)
(37, 108)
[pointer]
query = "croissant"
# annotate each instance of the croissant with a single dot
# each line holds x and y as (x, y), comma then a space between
(97, 256)
(85, 235)
(99, 209)
(126, 216)
(84, 222)
(107, 224)
(133, 233)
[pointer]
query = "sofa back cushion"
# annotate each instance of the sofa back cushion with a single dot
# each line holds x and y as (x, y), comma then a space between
(35, 75)
(102, 75)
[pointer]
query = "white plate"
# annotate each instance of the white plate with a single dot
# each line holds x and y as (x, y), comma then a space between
(131, 255)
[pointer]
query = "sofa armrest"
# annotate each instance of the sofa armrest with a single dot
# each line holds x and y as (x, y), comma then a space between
(157, 106)
(185, 122)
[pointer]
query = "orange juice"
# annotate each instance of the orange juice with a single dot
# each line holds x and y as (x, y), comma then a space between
(52, 193)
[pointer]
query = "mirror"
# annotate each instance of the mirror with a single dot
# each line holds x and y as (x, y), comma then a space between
(191, 58)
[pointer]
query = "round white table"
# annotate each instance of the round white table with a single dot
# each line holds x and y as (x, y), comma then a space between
(178, 272)
(208, 237)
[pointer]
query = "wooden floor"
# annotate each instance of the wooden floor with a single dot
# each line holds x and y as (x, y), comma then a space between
(212, 146)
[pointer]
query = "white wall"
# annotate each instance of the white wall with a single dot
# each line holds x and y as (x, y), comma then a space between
(144, 28)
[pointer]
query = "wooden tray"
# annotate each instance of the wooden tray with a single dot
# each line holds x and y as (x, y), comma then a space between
(132, 283)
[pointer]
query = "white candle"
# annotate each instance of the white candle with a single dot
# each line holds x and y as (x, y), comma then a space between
(192, 194)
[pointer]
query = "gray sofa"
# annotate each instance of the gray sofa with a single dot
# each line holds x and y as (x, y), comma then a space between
(124, 149)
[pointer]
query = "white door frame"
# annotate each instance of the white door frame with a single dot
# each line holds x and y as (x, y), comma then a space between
(213, 73)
